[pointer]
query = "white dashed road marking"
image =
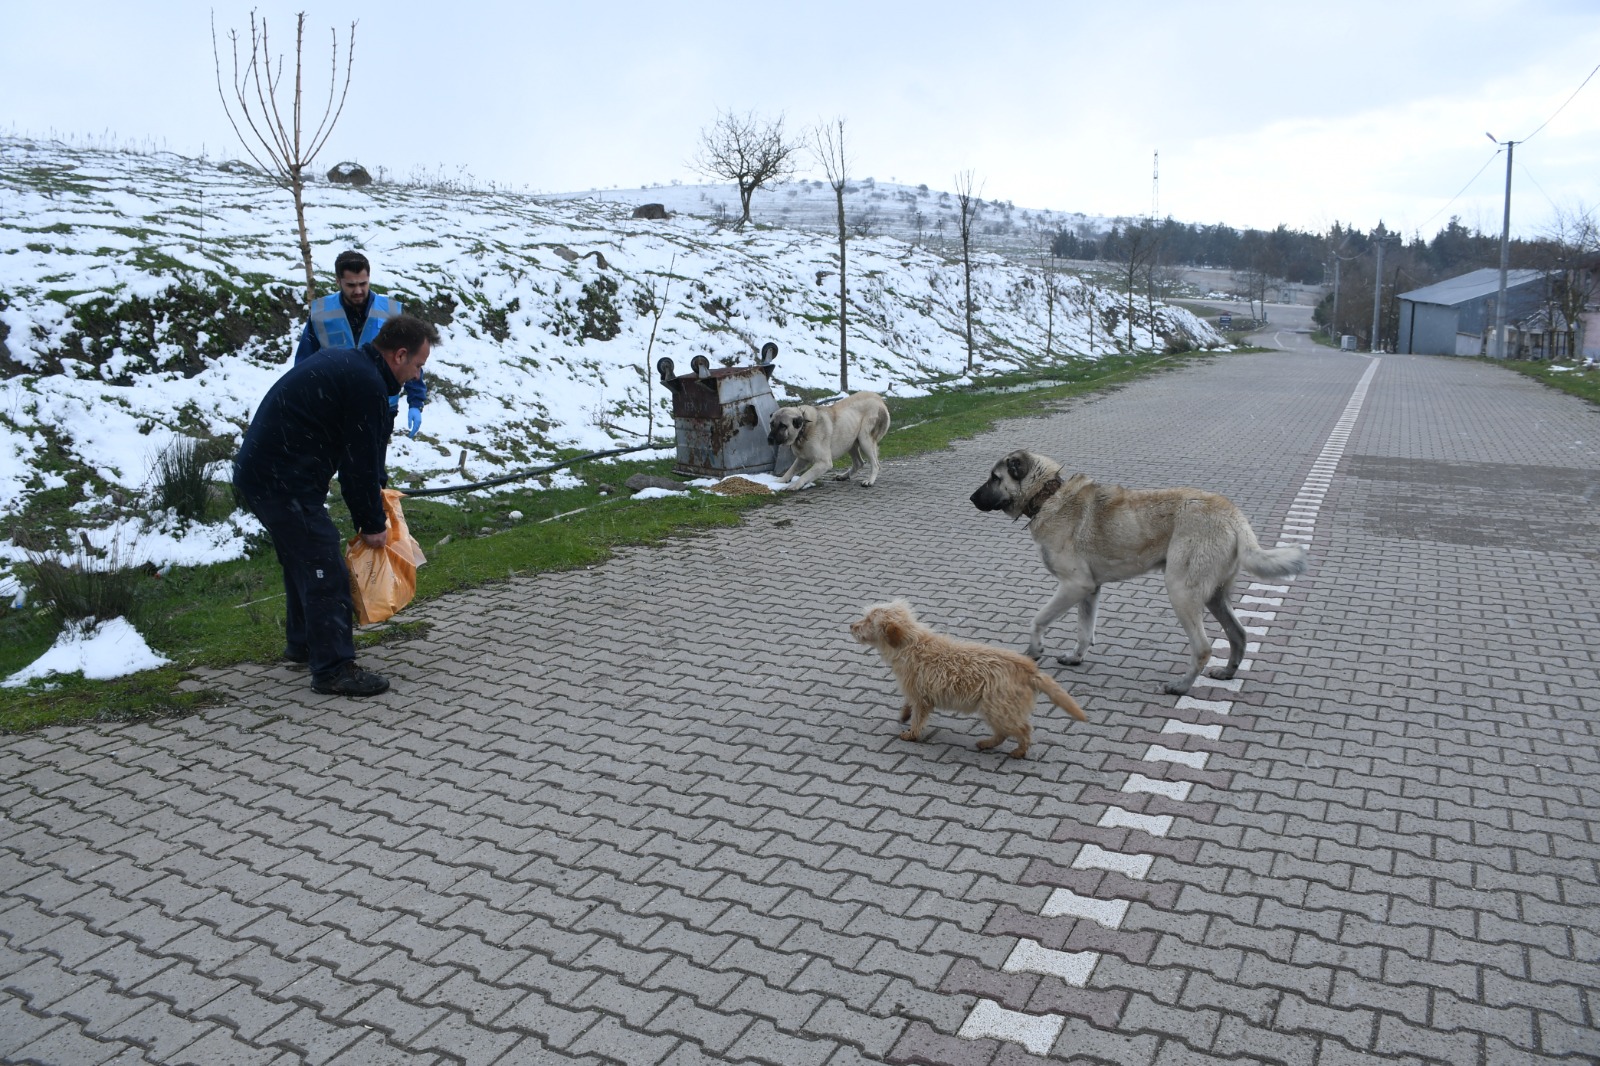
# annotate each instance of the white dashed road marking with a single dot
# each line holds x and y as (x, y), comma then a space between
(1038, 1033)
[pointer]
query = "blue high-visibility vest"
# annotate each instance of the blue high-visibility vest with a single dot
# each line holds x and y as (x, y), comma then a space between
(333, 328)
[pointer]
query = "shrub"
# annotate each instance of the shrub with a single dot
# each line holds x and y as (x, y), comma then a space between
(88, 588)
(180, 479)
(601, 320)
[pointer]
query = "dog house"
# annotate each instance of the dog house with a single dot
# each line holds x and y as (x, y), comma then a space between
(721, 416)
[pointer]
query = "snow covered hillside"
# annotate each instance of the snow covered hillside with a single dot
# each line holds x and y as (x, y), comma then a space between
(915, 214)
(147, 296)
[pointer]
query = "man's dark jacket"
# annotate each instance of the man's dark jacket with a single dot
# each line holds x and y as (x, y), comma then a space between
(325, 416)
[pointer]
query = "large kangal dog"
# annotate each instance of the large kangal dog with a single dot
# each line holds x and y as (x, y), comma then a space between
(1092, 534)
(939, 671)
(819, 435)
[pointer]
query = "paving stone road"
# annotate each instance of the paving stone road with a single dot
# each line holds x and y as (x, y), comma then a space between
(656, 812)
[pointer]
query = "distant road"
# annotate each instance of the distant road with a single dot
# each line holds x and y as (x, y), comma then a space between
(1288, 329)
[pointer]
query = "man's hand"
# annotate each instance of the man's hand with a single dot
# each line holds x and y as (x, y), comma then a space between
(375, 540)
(413, 421)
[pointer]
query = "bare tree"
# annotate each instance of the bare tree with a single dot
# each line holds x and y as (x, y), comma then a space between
(969, 202)
(1047, 277)
(649, 379)
(1574, 264)
(285, 151)
(746, 151)
(827, 144)
(1133, 250)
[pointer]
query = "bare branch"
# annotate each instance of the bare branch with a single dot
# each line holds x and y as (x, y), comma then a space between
(217, 66)
(325, 127)
(827, 145)
(267, 95)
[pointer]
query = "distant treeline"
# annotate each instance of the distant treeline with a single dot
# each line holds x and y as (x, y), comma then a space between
(1293, 255)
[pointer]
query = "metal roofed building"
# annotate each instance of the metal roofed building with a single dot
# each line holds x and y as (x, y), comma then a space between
(1454, 317)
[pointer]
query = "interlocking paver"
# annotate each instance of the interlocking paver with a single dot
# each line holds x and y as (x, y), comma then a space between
(621, 817)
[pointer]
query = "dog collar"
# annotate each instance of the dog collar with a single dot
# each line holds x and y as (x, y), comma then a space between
(1037, 500)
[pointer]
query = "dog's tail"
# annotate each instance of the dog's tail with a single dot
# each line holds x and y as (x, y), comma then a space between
(1045, 684)
(880, 425)
(1268, 562)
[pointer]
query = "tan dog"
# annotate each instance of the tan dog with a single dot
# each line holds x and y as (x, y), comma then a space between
(819, 435)
(939, 671)
(1092, 534)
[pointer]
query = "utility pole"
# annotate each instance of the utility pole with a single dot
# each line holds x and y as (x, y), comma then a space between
(1505, 257)
(1377, 292)
(1334, 325)
(1337, 261)
(1155, 189)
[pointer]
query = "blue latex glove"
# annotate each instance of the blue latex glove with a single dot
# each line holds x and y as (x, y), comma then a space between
(413, 421)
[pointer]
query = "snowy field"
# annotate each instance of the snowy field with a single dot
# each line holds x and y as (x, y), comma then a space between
(915, 214)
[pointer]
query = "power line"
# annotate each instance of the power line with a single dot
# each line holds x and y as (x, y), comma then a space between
(1524, 140)
(1558, 110)
(1464, 188)
(1529, 175)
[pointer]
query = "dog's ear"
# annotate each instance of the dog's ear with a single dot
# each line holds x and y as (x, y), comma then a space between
(894, 634)
(1017, 465)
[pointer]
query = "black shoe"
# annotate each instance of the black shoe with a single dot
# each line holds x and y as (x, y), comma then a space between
(351, 680)
(296, 655)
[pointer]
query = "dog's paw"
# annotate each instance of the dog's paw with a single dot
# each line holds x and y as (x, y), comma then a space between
(1176, 688)
(869, 484)
(1069, 660)
(1221, 673)
(909, 734)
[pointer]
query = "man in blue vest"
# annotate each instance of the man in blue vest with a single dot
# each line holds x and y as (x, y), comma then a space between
(326, 416)
(350, 318)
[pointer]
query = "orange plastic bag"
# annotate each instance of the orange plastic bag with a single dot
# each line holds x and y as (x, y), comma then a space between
(383, 580)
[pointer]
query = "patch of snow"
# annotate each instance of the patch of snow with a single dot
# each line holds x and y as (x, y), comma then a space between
(97, 650)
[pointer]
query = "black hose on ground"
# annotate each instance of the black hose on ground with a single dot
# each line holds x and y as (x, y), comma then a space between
(522, 475)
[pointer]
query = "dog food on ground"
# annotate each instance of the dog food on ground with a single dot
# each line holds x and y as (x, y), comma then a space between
(739, 486)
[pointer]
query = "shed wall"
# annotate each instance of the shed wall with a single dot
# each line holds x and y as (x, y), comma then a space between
(1428, 329)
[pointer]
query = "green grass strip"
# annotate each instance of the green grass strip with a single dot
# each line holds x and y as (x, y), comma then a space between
(1573, 382)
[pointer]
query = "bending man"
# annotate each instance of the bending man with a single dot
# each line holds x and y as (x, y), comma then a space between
(328, 415)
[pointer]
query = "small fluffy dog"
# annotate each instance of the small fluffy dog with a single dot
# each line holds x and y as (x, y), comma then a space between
(820, 435)
(939, 671)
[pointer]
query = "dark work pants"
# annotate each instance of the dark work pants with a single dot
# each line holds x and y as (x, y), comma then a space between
(320, 611)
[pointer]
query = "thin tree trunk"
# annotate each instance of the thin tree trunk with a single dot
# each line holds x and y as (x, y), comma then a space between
(844, 362)
(966, 264)
(298, 185)
(1049, 318)
(1131, 279)
(297, 177)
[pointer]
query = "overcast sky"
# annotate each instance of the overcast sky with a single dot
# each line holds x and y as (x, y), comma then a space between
(1263, 113)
